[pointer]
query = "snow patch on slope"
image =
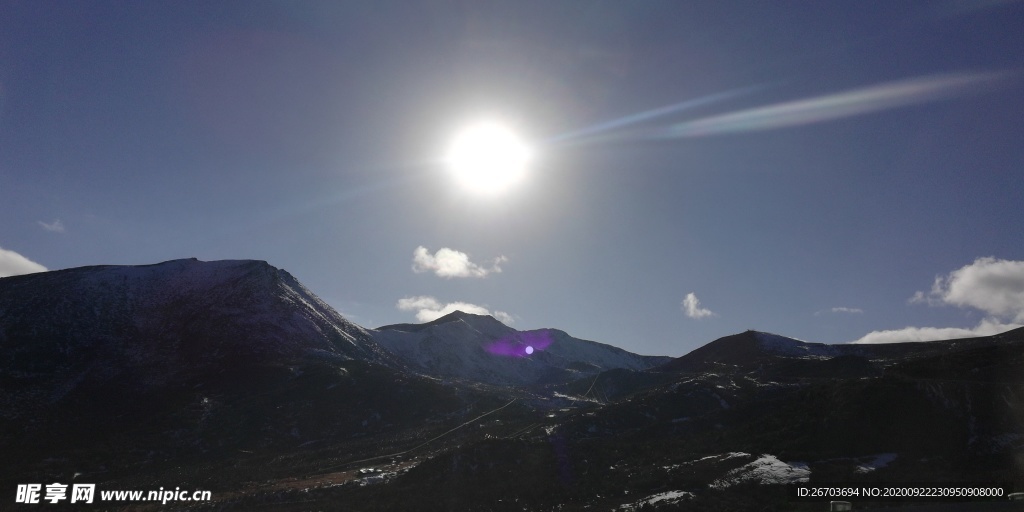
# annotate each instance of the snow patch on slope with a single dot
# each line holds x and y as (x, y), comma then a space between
(710, 459)
(765, 470)
(664, 498)
(877, 461)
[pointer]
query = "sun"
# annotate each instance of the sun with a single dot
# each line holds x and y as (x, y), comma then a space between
(487, 158)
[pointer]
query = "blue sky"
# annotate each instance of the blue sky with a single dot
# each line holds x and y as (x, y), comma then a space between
(823, 170)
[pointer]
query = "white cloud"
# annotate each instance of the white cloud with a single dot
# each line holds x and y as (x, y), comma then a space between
(428, 308)
(449, 263)
(691, 306)
(13, 264)
(987, 327)
(993, 286)
(56, 226)
(421, 302)
(504, 317)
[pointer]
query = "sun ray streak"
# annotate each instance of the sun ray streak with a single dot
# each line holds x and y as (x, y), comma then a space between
(582, 134)
(833, 106)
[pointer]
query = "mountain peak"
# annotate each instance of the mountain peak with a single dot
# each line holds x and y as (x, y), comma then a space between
(480, 348)
(458, 315)
(184, 263)
(745, 349)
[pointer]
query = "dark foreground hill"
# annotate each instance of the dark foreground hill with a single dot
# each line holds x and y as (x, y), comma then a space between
(115, 372)
(232, 377)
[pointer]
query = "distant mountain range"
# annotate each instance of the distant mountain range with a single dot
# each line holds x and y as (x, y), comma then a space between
(753, 350)
(232, 376)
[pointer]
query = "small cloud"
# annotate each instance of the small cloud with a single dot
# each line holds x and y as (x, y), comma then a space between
(504, 317)
(14, 264)
(691, 306)
(421, 302)
(852, 311)
(855, 311)
(428, 308)
(54, 227)
(449, 263)
(991, 285)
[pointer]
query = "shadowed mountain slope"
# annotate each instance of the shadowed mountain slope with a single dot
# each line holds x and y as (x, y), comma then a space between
(231, 376)
(482, 349)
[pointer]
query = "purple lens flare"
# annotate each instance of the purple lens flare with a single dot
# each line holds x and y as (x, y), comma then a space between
(520, 344)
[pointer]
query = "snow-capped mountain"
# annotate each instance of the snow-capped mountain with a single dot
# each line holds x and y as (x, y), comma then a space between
(480, 348)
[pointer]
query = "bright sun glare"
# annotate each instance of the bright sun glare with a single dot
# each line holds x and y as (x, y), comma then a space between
(487, 158)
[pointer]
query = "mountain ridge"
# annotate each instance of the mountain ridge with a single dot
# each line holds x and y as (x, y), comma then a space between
(191, 311)
(750, 348)
(481, 348)
(216, 375)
